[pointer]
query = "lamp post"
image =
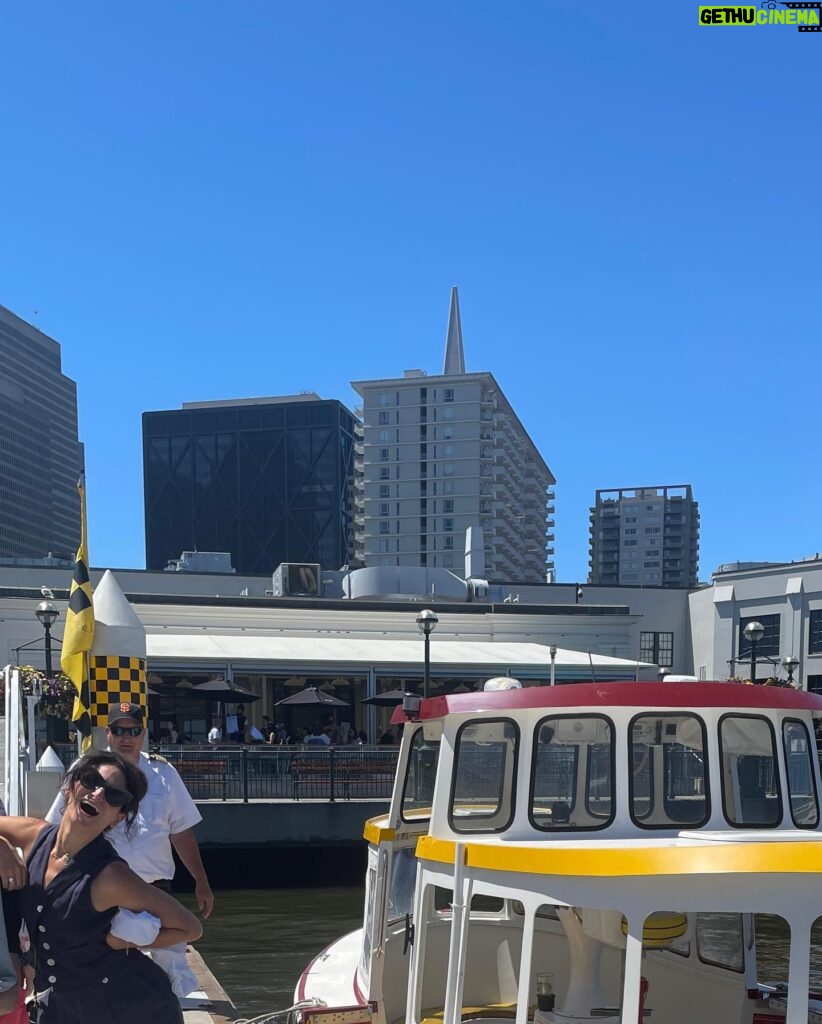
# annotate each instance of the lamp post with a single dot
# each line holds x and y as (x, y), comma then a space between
(790, 664)
(753, 632)
(661, 674)
(48, 615)
(552, 650)
(577, 594)
(426, 624)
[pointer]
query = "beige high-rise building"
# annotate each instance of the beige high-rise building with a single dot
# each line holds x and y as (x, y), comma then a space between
(439, 454)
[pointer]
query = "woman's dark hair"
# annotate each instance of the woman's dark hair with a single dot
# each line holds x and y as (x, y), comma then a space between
(136, 782)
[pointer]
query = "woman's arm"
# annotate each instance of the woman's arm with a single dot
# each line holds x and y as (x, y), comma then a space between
(118, 886)
(16, 832)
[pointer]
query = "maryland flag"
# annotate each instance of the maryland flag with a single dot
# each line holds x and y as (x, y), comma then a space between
(78, 634)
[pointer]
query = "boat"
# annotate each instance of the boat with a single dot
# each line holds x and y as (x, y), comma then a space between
(587, 852)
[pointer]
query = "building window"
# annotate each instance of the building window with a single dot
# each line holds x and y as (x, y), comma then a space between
(628, 533)
(383, 417)
(448, 561)
(630, 519)
(385, 400)
(448, 394)
(385, 490)
(384, 544)
(385, 437)
(657, 648)
(447, 433)
(815, 632)
(447, 414)
(651, 529)
(448, 487)
(814, 684)
(650, 565)
(385, 526)
(448, 525)
(385, 508)
(423, 395)
(384, 453)
(448, 505)
(385, 473)
(448, 543)
(448, 469)
(768, 646)
(630, 543)
(448, 450)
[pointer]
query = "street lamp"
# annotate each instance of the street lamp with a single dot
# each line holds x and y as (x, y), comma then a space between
(48, 615)
(552, 650)
(577, 594)
(661, 674)
(790, 664)
(426, 624)
(753, 632)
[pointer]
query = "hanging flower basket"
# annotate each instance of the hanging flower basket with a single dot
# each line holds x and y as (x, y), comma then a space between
(56, 694)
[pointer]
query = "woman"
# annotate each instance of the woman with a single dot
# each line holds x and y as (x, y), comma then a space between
(76, 883)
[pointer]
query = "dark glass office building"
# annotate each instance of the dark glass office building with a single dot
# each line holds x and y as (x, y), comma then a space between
(269, 480)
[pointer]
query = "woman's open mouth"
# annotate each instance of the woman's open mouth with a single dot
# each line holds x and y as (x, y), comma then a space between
(87, 807)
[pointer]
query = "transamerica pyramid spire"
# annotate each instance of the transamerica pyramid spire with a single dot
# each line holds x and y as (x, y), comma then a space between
(454, 357)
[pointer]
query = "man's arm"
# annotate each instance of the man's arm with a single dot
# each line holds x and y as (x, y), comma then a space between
(185, 843)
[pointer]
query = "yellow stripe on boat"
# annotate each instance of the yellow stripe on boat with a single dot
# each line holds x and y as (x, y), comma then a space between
(376, 833)
(608, 861)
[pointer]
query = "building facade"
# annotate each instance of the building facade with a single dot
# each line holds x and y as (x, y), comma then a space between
(41, 457)
(269, 480)
(645, 536)
(441, 454)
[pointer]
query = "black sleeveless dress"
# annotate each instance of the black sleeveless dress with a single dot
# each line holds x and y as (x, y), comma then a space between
(79, 979)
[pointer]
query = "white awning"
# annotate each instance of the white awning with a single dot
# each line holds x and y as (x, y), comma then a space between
(327, 652)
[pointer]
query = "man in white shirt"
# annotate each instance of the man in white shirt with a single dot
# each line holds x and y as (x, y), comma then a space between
(215, 733)
(166, 817)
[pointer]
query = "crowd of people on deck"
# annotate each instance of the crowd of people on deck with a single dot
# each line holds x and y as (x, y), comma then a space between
(323, 732)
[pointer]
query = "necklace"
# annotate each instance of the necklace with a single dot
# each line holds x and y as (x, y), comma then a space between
(61, 853)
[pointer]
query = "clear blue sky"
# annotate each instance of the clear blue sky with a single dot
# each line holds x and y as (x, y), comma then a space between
(225, 199)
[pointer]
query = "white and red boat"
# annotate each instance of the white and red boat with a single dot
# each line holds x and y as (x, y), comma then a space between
(588, 852)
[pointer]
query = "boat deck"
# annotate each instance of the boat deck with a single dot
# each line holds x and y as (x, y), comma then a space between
(221, 1010)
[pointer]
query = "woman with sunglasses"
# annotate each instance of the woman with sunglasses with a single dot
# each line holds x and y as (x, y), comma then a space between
(76, 883)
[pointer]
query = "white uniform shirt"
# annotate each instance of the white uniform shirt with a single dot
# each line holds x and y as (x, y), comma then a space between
(165, 810)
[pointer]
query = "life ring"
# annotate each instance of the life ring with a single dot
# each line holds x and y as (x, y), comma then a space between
(660, 928)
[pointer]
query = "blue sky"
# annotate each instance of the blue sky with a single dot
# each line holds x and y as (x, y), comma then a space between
(225, 199)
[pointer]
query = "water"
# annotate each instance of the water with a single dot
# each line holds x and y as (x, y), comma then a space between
(259, 941)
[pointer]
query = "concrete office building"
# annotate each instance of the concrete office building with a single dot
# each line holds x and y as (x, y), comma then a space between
(268, 480)
(645, 536)
(440, 454)
(41, 457)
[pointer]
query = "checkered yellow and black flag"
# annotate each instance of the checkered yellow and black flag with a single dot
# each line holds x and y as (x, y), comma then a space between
(115, 680)
(78, 635)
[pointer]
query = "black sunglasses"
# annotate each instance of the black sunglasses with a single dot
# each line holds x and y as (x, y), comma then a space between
(127, 730)
(91, 780)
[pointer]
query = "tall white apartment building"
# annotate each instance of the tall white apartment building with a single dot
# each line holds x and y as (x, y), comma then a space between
(645, 536)
(439, 454)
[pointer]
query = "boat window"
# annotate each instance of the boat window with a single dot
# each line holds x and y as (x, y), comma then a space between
(403, 882)
(750, 782)
(801, 780)
(484, 781)
(481, 902)
(572, 776)
(418, 791)
(719, 940)
(668, 783)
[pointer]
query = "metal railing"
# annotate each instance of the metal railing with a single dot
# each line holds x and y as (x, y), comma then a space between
(286, 773)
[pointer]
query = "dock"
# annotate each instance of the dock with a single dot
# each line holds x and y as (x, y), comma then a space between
(220, 1009)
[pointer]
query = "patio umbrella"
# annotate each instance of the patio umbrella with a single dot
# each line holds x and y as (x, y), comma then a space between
(312, 695)
(388, 699)
(222, 690)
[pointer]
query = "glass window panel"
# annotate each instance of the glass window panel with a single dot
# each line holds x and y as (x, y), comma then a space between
(719, 940)
(484, 780)
(669, 786)
(801, 780)
(572, 782)
(418, 792)
(750, 783)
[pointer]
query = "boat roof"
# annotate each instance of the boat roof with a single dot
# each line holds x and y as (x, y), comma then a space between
(683, 696)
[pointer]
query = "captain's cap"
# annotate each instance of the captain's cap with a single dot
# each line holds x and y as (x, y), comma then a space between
(125, 709)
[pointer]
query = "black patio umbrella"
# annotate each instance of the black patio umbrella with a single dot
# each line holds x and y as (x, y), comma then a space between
(389, 698)
(222, 690)
(312, 695)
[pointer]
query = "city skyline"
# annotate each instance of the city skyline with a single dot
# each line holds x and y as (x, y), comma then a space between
(269, 200)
